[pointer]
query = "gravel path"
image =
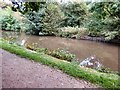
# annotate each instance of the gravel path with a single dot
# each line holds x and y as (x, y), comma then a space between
(19, 72)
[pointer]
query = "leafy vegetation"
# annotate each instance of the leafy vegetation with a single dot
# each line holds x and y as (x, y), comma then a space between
(103, 79)
(50, 16)
(102, 19)
(45, 20)
(7, 21)
(72, 32)
(105, 20)
(62, 54)
(59, 53)
(67, 31)
(30, 6)
(74, 14)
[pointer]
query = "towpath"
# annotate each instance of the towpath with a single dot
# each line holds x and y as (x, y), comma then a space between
(19, 72)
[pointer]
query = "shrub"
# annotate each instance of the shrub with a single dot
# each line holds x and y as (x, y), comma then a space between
(75, 13)
(110, 35)
(62, 54)
(45, 20)
(9, 23)
(72, 32)
(104, 20)
(42, 50)
(81, 33)
(67, 31)
(53, 16)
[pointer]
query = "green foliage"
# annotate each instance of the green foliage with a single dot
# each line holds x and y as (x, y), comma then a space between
(106, 9)
(62, 54)
(45, 20)
(72, 32)
(42, 50)
(105, 20)
(9, 23)
(53, 15)
(102, 19)
(33, 23)
(94, 26)
(110, 35)
(33, 6)
(67, 31)
(107, 70)
(81, 33)
(59, 53)
(48, 18)
(75, 14)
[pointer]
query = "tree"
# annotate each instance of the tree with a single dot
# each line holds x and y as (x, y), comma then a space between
(33, 6)
(46, 19)
(53, 16)
(75, 14)
(105, 18)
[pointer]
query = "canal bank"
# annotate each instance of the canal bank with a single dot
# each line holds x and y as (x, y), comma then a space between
(103, 79)
(105, 52)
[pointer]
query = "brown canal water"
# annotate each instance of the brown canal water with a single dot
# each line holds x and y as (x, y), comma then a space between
(107, 53)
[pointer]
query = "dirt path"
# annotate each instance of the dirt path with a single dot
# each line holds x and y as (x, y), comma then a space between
(22, 73)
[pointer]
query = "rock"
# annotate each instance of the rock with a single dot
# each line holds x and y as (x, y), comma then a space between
(23, 42)
(91, 62)
(41, 34)
(74, 36)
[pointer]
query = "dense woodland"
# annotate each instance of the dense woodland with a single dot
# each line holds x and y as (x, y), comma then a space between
(95, 19)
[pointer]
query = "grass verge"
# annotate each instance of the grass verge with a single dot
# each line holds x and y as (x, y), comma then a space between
(103, 79)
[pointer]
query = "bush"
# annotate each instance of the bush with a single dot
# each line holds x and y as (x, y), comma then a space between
(72, 32)
(62, 54)
(53, 16)
(110, 35)
(104, 20)
(74, 14)
(45, 20)
(81, 33)
(67, 31)
(9, 23)
(33, 23)
(42, 50)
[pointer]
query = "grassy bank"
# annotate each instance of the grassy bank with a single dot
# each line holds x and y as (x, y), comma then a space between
(102, 79)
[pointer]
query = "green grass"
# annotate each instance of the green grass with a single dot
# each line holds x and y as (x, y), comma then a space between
(103, 79)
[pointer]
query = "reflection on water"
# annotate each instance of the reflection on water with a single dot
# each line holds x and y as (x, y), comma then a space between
(107, 53)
